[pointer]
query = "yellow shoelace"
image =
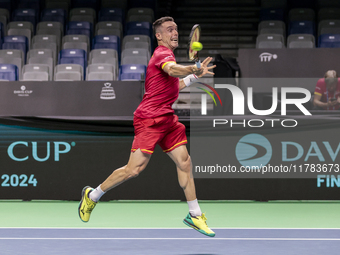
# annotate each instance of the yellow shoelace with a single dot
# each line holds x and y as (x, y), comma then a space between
(204, 219)
(90, 205)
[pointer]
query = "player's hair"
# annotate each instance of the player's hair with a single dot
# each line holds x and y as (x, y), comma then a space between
(331, 77)
(159, 22)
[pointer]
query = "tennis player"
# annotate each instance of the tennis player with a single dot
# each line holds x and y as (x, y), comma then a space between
(155, 123)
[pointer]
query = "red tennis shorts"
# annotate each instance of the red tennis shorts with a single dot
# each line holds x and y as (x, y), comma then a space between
(164, 130)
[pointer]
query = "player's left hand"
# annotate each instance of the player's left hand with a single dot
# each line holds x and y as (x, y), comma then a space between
(204, 67)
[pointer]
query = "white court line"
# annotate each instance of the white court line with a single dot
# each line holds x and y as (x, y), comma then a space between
(159, 228)
(176, 238)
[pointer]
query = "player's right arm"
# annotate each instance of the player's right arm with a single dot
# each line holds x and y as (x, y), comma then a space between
(175, 70)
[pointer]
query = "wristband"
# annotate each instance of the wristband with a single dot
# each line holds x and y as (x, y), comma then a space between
(190, 79)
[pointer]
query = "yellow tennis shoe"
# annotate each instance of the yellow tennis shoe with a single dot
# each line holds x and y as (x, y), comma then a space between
(199, 223)
(86, 205)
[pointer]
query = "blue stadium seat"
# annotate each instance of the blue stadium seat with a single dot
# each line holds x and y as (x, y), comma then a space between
(139, 28)
(111, 14)
(54, 15)
(329, 41)
(9, 72)
(53, 11)
(29, 4)
(132, 72)
(271, 14)
(25, 15)
(79, 28)
(107, 42)
(302, 27)
(73, 56)
(16, 42)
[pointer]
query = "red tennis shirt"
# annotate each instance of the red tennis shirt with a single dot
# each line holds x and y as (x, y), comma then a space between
(161, 90)
(321, 89)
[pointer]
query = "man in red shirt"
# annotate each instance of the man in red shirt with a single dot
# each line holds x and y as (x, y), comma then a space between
(155, 123)
(327, 92)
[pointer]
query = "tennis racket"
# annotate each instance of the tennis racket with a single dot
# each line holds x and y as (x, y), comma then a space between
(194, 37)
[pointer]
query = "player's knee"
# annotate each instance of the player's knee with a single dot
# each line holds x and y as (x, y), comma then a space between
(185, 164)
(132, 172)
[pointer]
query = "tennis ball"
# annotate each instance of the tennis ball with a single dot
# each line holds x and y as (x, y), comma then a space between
(197, 46)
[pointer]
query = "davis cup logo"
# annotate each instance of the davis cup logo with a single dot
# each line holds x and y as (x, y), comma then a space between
(23, 91)
(253, 150)
(107, 92)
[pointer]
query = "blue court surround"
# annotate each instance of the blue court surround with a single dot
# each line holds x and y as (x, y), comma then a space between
(186, 241)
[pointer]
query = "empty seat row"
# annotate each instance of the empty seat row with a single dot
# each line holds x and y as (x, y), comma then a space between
(82, 22)
(108, 28)
(299, 27)
(265, 41)
(100, 60)
(326, 28)
(71, 72)
(78, 42)
(79, 15)
(304, 3)
(62, 15)
(99, 72)
(299, 14)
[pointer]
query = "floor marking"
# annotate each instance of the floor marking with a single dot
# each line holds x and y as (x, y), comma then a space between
(175, 238)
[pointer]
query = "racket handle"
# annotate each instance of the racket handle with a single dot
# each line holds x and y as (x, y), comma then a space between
(198, 64)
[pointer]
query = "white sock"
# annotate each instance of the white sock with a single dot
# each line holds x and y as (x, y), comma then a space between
(194, 208)
(96, 194)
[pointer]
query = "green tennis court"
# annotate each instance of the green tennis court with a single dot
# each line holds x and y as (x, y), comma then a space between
(146, 214)
(145, 227)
